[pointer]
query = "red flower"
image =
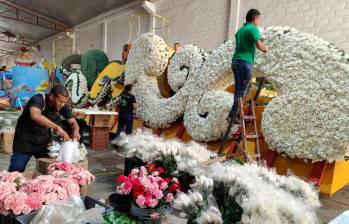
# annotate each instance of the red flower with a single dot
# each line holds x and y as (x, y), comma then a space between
(173, 188)
(167, 179)
(121, 179)
(161, 170)
(151, 167)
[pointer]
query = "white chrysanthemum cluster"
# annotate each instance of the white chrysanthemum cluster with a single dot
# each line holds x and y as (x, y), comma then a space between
(149, 147)
(77, 87)
(195, 76)
(266, 201)
(260, 192)
(210, 216)
(310, 118)
(8, 122)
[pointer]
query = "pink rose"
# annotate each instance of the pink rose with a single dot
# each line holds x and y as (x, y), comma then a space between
(140, 201)
(158, 194)
(153, 203)
(163, 185)
(155, 216)
(169, 197)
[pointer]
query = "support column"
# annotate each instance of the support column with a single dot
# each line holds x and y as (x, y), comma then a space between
(234, 17)
(74, 42)
(54, 51)
(105, 36)
(151, 9)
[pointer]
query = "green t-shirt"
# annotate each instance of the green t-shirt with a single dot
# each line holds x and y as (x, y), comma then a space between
(245, 39)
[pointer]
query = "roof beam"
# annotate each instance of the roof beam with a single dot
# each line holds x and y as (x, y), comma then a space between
(36, 19)
(16, 40)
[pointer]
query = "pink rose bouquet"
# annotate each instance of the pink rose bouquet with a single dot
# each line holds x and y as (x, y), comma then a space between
(80, 175)
(147, 188)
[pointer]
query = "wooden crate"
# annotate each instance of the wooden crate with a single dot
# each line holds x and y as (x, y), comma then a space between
(99, 120)
(43, 163)
(7, 141)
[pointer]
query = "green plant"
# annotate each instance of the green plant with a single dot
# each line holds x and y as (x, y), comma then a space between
(118, 218)
(229, 208)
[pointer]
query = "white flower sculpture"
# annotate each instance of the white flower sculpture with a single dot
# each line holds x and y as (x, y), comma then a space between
(194, 74)
(77, 87)
(309, 119)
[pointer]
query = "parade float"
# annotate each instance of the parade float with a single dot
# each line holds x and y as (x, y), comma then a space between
(304, 128)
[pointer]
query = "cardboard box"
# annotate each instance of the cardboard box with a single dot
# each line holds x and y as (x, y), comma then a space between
(7, 141)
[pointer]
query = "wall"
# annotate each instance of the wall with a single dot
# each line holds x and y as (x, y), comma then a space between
(200, 22)
(207, 23)
(325, 18)
(95, 34)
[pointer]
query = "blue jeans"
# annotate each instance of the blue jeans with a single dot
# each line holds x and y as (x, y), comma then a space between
(242, 74)
(19, 160)
(125, 120)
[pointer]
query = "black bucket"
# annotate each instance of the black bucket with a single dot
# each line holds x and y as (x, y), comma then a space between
(120, 202)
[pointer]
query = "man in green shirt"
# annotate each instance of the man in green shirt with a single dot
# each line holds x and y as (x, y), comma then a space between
(247, 39)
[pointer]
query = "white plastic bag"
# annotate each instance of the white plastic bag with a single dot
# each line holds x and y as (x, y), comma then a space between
(69, 152)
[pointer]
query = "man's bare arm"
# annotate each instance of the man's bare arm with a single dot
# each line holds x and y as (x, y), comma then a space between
(76, 129)
(37, 117)
(261, 46)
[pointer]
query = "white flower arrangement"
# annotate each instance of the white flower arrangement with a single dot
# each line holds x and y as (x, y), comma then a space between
(194, 74)
(149, 147)
(210, 216)
(263, 201)
(309, 118)
(77, 87)
(260, 192)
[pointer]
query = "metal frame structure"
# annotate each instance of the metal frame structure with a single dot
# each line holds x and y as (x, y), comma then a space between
(16, 40)
(18, 13)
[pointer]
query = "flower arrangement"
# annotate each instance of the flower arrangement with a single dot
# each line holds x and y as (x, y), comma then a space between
(18, 195)
(194, 74)
(308, 119)
(77, 86)
(147, 188)
(251, 194)
(79, 175)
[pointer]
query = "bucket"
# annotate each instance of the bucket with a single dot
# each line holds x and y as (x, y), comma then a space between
(120, 202)
(144, 214)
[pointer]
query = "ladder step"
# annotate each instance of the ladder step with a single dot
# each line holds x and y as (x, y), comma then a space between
(249, 117)
(251, 136)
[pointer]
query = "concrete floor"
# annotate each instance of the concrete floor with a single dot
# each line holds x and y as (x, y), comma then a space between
(106, 165)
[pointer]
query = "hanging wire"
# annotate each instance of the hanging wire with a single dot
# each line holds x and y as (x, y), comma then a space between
(166, 23)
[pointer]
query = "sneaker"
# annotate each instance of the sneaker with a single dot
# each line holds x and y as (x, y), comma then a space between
(115, 141)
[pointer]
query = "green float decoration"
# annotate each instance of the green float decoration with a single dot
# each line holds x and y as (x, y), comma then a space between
(92, 63)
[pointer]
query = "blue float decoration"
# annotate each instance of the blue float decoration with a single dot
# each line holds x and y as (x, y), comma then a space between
(26, 82)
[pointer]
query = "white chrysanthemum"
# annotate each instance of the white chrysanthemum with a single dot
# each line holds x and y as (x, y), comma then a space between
(309, 119)
(195, 76)
(77, 87)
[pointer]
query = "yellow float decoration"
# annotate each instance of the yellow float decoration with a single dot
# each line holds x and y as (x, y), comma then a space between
(107, 80)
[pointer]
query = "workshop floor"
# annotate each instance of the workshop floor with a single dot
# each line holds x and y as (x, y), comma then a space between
(106, 165)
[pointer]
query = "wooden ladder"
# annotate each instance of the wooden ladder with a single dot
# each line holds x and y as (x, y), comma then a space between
(249, 115)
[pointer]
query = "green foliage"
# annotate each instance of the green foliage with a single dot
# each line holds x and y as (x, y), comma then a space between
(92, 63)
(230, 209)
(118, 218)
(170, 165)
